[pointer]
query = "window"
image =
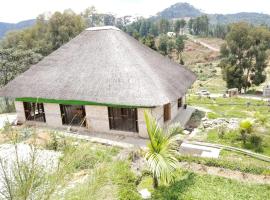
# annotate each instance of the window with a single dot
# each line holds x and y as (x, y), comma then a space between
(167, 112)
(73, 115)
(34, 111)
(123, 119)
(180, 102)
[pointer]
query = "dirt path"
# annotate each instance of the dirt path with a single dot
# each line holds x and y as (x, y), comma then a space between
(197, 41)
(226, 173)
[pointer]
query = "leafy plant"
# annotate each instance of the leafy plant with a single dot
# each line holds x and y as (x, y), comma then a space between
(162, 150)
(256, 142)
(245, 129)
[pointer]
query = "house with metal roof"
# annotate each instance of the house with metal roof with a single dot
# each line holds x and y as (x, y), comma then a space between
(102, 80)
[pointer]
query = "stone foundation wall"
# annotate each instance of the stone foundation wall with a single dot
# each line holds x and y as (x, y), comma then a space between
(97, 117)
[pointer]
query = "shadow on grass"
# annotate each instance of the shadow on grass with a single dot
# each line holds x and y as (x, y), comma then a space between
(176, 189)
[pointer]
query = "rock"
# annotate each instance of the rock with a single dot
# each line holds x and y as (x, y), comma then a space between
(186, 132)
(145, 193)
(232, 123)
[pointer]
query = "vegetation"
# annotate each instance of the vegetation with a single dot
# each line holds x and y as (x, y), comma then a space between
(188, 185)
(244, 56)
(162, 150)
(233, 161)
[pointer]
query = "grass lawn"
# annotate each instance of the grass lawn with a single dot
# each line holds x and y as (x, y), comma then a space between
(235, 108)
(233, 161)
(189, 185)
(231, 107)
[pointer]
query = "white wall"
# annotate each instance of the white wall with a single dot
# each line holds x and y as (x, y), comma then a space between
(52, 114)
(20, 111)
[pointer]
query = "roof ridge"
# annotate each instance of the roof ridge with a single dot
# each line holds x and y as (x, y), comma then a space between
(101, 28)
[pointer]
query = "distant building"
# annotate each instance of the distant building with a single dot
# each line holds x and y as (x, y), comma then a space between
(266, 90)
(233, 92)
(171, 34)
(101, 81)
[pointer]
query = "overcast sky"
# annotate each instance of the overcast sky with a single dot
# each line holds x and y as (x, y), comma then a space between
(18, 10)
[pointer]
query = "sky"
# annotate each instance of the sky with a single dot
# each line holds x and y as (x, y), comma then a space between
(18, 10)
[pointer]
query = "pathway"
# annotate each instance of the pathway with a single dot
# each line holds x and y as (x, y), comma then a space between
(203, 43)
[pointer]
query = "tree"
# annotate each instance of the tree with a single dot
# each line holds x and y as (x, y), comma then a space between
(179, 46)
(244, 56)
(162, 150)
(14, 62)
(170, 47)
(177, 26)
(163, 44)
(153, 30)
(143, 28)
(163, 26)
(199, 26)
(63, 27)
(149, 41)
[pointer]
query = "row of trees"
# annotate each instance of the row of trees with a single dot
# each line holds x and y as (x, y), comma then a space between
(200, 26)
(21, 49)
(144, 27)
(244, 55)
(170, 45)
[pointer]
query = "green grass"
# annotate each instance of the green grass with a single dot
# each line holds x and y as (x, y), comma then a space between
(189, 185)
(107, 181)
(232, 138)
(233, 161)
(231, 107)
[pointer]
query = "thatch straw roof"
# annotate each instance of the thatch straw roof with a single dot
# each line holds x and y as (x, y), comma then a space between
(104, 65)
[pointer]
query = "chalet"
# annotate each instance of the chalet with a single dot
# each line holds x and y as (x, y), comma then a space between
(101, 81)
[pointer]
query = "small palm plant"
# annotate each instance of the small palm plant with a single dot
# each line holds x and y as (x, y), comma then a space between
(162, 150)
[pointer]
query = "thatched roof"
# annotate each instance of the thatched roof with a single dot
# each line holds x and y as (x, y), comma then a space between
(104, 65)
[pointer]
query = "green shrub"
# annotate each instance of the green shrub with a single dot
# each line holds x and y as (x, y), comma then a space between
(125, 179)
(256, 142)
(246, 125)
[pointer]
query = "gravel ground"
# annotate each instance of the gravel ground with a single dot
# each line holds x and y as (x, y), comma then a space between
(47, 159)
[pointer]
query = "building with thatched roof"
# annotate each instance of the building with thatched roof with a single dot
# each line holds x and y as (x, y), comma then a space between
(102, 80)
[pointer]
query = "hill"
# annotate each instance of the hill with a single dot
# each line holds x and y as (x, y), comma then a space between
(182, 10)
(179, 10)
(5, 27)
(253, 18)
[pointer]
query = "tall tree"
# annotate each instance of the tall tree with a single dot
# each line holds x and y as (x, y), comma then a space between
(163, 44)
(170, 47)
(244, 56)
(63, 27)
(163, 26)
(180, 46)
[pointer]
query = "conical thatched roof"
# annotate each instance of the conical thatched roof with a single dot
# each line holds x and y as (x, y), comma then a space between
(104, 65)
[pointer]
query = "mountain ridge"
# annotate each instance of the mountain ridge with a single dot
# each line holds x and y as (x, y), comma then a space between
(182, 10)
(5, 27)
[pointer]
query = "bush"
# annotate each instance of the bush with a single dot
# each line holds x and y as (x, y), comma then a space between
(256, 142)
(246, 125)
(125, 180)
